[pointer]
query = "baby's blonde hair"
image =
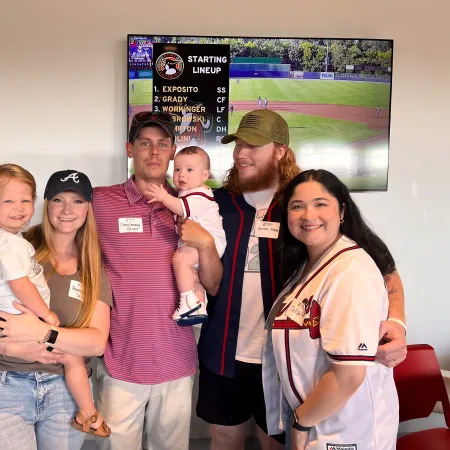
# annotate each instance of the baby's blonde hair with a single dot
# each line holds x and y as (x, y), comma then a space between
(8, 171)
(194, 150)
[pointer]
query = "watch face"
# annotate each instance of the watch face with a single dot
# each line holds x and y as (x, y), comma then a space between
(53, 336)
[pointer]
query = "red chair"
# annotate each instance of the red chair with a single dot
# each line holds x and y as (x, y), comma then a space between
(420, 385)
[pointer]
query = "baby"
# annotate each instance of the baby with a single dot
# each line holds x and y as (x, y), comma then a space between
(196, 202)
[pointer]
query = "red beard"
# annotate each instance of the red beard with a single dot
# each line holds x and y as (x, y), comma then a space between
(266, 177)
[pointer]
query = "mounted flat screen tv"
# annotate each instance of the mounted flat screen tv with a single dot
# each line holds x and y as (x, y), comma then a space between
(335, 95)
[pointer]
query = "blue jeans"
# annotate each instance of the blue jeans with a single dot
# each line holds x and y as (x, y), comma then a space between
(36, 409)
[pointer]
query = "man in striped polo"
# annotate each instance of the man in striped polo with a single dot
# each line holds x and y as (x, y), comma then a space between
(146, 376)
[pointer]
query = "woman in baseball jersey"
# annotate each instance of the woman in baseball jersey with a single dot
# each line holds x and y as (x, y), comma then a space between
(323, 331)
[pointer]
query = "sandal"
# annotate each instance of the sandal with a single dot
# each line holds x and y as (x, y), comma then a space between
(85, 426)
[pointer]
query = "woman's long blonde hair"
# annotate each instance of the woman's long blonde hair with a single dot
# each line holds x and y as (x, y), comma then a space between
(89, 261)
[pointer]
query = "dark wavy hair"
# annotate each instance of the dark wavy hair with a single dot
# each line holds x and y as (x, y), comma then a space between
(294, 252)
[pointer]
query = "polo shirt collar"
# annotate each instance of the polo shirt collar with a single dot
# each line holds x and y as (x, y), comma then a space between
(132, 192)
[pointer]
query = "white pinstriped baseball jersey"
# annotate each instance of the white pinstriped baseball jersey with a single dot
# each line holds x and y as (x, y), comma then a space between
(340, 304)
(200, 206)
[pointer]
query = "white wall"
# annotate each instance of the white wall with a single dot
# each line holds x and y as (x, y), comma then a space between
(63, 105)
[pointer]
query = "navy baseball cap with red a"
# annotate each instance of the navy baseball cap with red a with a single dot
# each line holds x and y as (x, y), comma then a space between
(68, 180)
(149, 118)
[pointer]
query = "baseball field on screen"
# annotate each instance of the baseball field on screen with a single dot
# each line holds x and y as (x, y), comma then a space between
(328, 119)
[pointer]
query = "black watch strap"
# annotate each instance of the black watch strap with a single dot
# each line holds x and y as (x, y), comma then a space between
(299, 427)
(296, 425)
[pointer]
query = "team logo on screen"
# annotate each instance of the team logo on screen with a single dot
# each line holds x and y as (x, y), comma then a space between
(169, 66)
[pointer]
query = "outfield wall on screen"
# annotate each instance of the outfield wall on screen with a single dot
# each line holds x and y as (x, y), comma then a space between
(368, 79)
(259, 70)
(297, 74)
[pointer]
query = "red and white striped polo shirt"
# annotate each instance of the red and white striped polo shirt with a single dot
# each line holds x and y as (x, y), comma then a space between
(145, 345)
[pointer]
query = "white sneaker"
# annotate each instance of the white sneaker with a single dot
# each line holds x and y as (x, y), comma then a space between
(189, 303)
(191, 311)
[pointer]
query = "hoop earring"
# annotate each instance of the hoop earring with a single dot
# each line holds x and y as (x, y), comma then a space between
(342, 220)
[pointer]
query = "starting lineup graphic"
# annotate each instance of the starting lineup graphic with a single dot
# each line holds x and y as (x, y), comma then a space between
(335, 95)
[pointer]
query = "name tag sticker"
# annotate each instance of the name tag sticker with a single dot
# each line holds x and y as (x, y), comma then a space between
(267, 229)
(130, 225)
(296, 311)
(75, 289)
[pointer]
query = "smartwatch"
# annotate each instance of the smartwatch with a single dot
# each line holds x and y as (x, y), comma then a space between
(51, 335)
(297, 425)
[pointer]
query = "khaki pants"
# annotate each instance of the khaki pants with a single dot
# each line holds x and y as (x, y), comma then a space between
(154, 416)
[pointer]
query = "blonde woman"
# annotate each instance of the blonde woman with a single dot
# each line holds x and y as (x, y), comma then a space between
(37, 410)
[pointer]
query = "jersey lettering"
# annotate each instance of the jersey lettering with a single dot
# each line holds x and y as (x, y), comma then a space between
(311, 323)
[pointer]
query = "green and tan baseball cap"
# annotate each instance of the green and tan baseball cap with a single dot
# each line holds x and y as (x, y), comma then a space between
(260, 127)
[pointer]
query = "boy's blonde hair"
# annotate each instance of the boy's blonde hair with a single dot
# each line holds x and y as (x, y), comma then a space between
(8, 171)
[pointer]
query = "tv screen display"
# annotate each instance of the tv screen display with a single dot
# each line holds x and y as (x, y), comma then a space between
(335, 95)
